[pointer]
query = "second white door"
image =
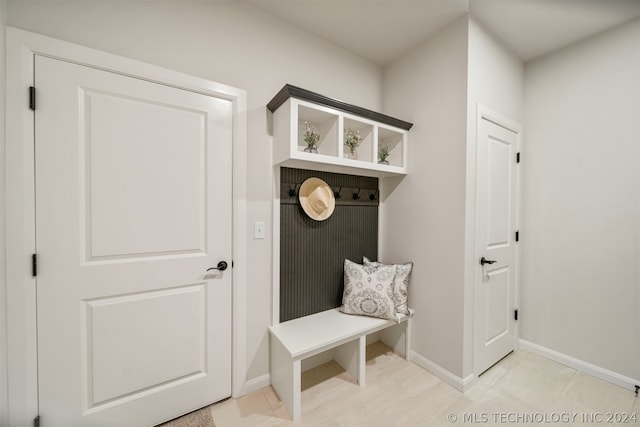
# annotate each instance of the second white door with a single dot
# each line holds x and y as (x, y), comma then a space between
(133, 205)
(495, 284)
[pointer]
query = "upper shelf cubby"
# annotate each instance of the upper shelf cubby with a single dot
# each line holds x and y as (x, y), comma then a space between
(311, 131)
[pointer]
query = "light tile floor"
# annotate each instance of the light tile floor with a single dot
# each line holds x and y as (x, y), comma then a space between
(399, 393)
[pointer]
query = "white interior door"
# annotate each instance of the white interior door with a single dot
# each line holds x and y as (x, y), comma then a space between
(133, 205)
(496, 198)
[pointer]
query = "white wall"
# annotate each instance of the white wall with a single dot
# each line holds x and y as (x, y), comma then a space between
(423, 214)
(3, 311)
(581, 216)
(231, 43)
(495, 81)
(429, 216)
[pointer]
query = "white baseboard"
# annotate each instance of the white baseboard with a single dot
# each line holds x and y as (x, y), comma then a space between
(460, 384)
(255, 384)
(581, 365)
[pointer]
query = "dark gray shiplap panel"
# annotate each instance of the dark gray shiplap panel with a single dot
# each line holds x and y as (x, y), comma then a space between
(312, 253)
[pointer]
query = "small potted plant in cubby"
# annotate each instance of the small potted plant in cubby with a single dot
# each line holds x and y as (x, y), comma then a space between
(383, 155)
(352, 139)
(311, 138)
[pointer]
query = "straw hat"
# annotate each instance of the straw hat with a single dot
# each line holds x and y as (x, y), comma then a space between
(316, 198)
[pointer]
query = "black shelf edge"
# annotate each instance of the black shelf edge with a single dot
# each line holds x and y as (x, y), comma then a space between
(290, 91)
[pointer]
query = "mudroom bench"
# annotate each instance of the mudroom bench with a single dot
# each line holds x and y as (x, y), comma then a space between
(344, 334)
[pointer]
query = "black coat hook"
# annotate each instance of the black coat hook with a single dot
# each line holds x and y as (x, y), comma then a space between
(373, 196)
(293, 191)
(338, 194)
(356, 196)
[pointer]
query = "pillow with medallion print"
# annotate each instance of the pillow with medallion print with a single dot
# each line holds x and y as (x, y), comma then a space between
(400, 283)
(368, 291)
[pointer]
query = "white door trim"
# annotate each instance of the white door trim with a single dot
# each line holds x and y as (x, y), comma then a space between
(20, 208)
(484, 112)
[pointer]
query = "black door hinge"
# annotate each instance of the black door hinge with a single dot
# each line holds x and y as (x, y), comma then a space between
(34, 265)
(515, 314)
(518, 157)
(32, 98)
(36, 421)
(518, 236)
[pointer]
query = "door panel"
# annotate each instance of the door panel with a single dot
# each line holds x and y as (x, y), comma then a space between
(138, 138)
(494, 334)
(133, 204)
(498, 303)
(500, 158)
(137, 342)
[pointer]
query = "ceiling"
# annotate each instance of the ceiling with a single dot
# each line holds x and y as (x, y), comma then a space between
(383, 30)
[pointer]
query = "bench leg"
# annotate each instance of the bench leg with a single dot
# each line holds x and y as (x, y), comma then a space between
(351, 356)
(408, 342)
(285, 378)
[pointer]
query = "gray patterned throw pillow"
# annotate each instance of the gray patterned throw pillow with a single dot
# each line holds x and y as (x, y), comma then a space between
(400, 283)
(368, 291)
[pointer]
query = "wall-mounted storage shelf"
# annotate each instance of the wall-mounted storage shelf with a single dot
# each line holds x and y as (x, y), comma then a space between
(294, 108)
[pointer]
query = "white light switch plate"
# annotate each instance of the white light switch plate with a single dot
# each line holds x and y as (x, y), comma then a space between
(258, 230)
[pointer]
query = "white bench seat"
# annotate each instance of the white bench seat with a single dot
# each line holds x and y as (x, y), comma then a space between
(298, 339)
